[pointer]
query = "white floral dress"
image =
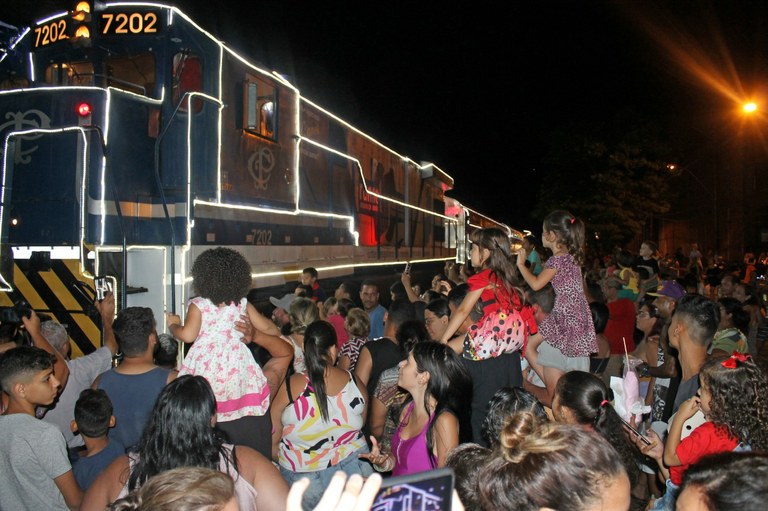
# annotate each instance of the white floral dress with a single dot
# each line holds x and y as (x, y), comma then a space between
(219, 355)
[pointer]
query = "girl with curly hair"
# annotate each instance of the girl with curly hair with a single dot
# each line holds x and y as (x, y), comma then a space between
(733, 397)
(222, 278)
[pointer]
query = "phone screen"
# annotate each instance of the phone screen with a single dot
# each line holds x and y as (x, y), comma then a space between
(431, 490)
(102, 287)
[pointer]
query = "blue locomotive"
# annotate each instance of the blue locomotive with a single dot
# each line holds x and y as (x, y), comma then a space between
(132, 139)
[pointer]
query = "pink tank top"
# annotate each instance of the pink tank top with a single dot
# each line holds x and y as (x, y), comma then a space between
(411, 455)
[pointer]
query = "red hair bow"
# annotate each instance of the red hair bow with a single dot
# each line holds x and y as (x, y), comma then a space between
(730, 362)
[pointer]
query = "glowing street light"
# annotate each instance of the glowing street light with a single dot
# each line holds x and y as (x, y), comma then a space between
(749, 107)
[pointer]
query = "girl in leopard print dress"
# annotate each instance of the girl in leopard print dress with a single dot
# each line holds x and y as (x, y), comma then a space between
(567, 335)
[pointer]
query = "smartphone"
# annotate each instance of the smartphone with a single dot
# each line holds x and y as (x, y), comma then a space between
(426, 490)
(407, 269)
(102, 287)
(643, 439)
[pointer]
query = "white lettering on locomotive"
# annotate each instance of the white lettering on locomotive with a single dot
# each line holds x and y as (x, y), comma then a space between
(20, 121)
(260, 166)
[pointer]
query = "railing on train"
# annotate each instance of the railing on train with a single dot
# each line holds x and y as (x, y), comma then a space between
(186, 96)
(119, 211)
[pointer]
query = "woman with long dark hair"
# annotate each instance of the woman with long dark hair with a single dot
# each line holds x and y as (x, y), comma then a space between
(583, 398)
(650, 324)
(181, 433)
(438, 385)
(318, 418)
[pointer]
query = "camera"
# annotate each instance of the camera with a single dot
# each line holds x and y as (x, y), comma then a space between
(13, 315)
(103, 286)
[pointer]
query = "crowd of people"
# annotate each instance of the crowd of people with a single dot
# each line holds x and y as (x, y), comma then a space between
(504, 369)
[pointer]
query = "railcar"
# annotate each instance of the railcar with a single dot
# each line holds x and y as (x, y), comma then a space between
(132, 140)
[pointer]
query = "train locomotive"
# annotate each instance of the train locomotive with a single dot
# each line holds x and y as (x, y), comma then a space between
(132, 140)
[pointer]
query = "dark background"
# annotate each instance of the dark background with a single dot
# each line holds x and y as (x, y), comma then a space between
(480, 87)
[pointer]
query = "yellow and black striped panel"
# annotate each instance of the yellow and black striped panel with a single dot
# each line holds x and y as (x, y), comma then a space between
(62, 293)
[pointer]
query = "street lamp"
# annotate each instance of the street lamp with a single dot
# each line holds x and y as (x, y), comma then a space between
(749, 108)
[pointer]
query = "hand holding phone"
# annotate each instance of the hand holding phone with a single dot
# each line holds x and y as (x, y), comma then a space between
(425, 490)
(407, 269)
(636, 432)
(103, 286)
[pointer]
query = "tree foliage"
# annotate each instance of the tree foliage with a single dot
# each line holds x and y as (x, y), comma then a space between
(614, 177)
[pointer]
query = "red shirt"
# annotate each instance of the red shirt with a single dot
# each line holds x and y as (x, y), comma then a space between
(494, 296)
(621, 323)
(704, 440)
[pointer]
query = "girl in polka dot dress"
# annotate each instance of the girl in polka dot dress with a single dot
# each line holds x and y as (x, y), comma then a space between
(491, 348)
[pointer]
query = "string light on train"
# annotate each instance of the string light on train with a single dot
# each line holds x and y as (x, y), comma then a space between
(14, 43)
(299, 98)
(39, 131)
(367, 264)
(101, 204)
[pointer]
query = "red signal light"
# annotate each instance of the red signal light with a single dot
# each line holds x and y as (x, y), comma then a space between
(84, 109)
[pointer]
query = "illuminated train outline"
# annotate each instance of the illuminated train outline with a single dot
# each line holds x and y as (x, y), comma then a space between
(102, 207)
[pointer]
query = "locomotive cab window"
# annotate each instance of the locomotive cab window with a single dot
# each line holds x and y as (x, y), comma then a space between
(187, 77)
(260, 108)
(70, 73)
(134, 73)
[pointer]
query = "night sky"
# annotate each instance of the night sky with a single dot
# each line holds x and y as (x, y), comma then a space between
(478, 87)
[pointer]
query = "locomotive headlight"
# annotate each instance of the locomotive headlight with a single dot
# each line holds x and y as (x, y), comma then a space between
(82, 11)
(82, 31)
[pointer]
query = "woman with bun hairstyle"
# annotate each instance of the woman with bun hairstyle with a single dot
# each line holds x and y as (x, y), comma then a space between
(553, 466)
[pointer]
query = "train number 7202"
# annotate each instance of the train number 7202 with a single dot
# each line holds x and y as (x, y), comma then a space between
(129, 23)
(50, 33)
(261, 236)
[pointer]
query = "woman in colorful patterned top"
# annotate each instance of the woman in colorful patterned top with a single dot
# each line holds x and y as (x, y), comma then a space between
(318, 418)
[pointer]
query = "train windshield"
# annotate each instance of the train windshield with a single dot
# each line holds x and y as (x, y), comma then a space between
(135, 73)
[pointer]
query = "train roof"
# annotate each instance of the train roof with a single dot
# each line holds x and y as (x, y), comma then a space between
(427, 169)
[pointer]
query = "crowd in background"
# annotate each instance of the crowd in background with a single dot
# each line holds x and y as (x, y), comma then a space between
(500, 369)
